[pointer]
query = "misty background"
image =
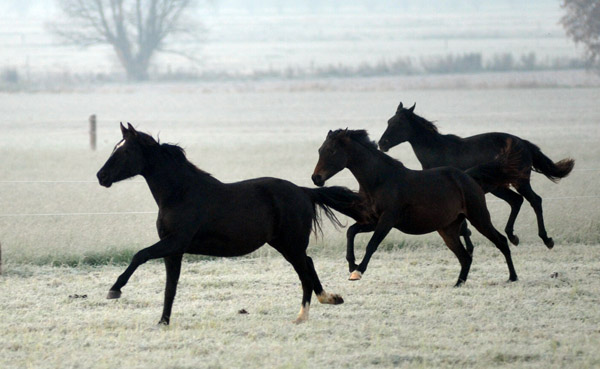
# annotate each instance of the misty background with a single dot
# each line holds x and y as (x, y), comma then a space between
(308, 38)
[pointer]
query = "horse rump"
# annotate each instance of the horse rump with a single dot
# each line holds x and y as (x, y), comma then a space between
(506, 169)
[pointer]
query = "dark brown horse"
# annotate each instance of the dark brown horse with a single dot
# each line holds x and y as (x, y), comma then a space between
(200, 215)
(435, 150)
(413, 201)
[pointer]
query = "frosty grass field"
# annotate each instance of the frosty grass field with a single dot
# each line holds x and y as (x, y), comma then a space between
(403, 313)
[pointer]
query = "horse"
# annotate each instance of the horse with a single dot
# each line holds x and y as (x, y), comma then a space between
(198, 214)
(435, 150)
(413, 201)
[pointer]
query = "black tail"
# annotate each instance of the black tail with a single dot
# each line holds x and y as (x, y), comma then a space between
(503, 171)
(543, 164)
(338, 198)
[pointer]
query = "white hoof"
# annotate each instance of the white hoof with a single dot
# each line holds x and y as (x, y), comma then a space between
(303, 315)
(300, 320)
(355, 276)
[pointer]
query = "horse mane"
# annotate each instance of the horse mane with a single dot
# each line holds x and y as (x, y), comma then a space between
(172, 152)
(177, 154)
(361, 137)
(430, 126)
(424, 123)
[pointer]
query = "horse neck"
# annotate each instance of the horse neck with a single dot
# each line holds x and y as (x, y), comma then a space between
(370, 167)
(427, 144)
(168, 179)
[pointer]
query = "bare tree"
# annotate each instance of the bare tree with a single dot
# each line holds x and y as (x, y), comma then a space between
(582, 24)
(136, 29)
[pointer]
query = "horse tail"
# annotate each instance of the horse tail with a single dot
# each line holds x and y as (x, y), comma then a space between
(543, 164)
(337, 198)
(503, 171)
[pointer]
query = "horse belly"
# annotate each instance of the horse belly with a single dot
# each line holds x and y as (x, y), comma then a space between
(422, 220)
(235, 235)
(214, 245)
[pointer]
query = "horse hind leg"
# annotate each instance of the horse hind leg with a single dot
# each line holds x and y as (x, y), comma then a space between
(466, 234)
(300, 265)
(450, 235)
(536, 203)
(294, 252)
(486, 228)
(322, 296)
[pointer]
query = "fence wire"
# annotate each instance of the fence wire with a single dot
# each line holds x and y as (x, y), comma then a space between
(13, 215)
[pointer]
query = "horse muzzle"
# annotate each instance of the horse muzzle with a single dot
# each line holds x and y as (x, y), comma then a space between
(103, 179)
(384, 145)
(318, 180)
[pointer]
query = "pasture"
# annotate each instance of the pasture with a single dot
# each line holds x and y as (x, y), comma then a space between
(62, 234)
(404, 313)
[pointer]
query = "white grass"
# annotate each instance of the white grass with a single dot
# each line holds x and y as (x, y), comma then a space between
(403, 313)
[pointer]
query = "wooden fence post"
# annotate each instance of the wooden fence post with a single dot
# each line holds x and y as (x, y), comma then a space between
(93, 131)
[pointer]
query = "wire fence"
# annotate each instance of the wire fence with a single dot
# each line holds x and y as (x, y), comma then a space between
(70, 214)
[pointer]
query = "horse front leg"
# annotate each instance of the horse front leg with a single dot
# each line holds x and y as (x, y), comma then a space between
(384, 225)
(168, 246)
(173, 267)
(353, 230)
(515, 201)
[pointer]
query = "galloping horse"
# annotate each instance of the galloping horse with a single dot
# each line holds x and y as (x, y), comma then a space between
(198, 214)
(413, 201)
(435, 150)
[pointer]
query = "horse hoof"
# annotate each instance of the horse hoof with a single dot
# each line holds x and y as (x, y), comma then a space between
(300, 320)
(112, 294)
(459, 283)
(514, 240)
(355, 276)
(336, 299)
(330, 298)
(549, 243)
(514, 279)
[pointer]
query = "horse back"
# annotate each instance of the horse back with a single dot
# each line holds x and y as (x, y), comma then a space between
(484, 148)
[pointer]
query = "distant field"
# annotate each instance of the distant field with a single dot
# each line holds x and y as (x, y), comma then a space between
(404, 313)
(247, 43)
(252, 131)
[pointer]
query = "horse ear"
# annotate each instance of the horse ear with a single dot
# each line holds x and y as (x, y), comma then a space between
(329, 133)
(412, 108)
(131, 129)
(400, 106)
(124, 130)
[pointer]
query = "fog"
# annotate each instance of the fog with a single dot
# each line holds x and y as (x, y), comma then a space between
(308, 38)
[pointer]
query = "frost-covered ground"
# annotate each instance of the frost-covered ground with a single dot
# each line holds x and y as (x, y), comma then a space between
(404, 313)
